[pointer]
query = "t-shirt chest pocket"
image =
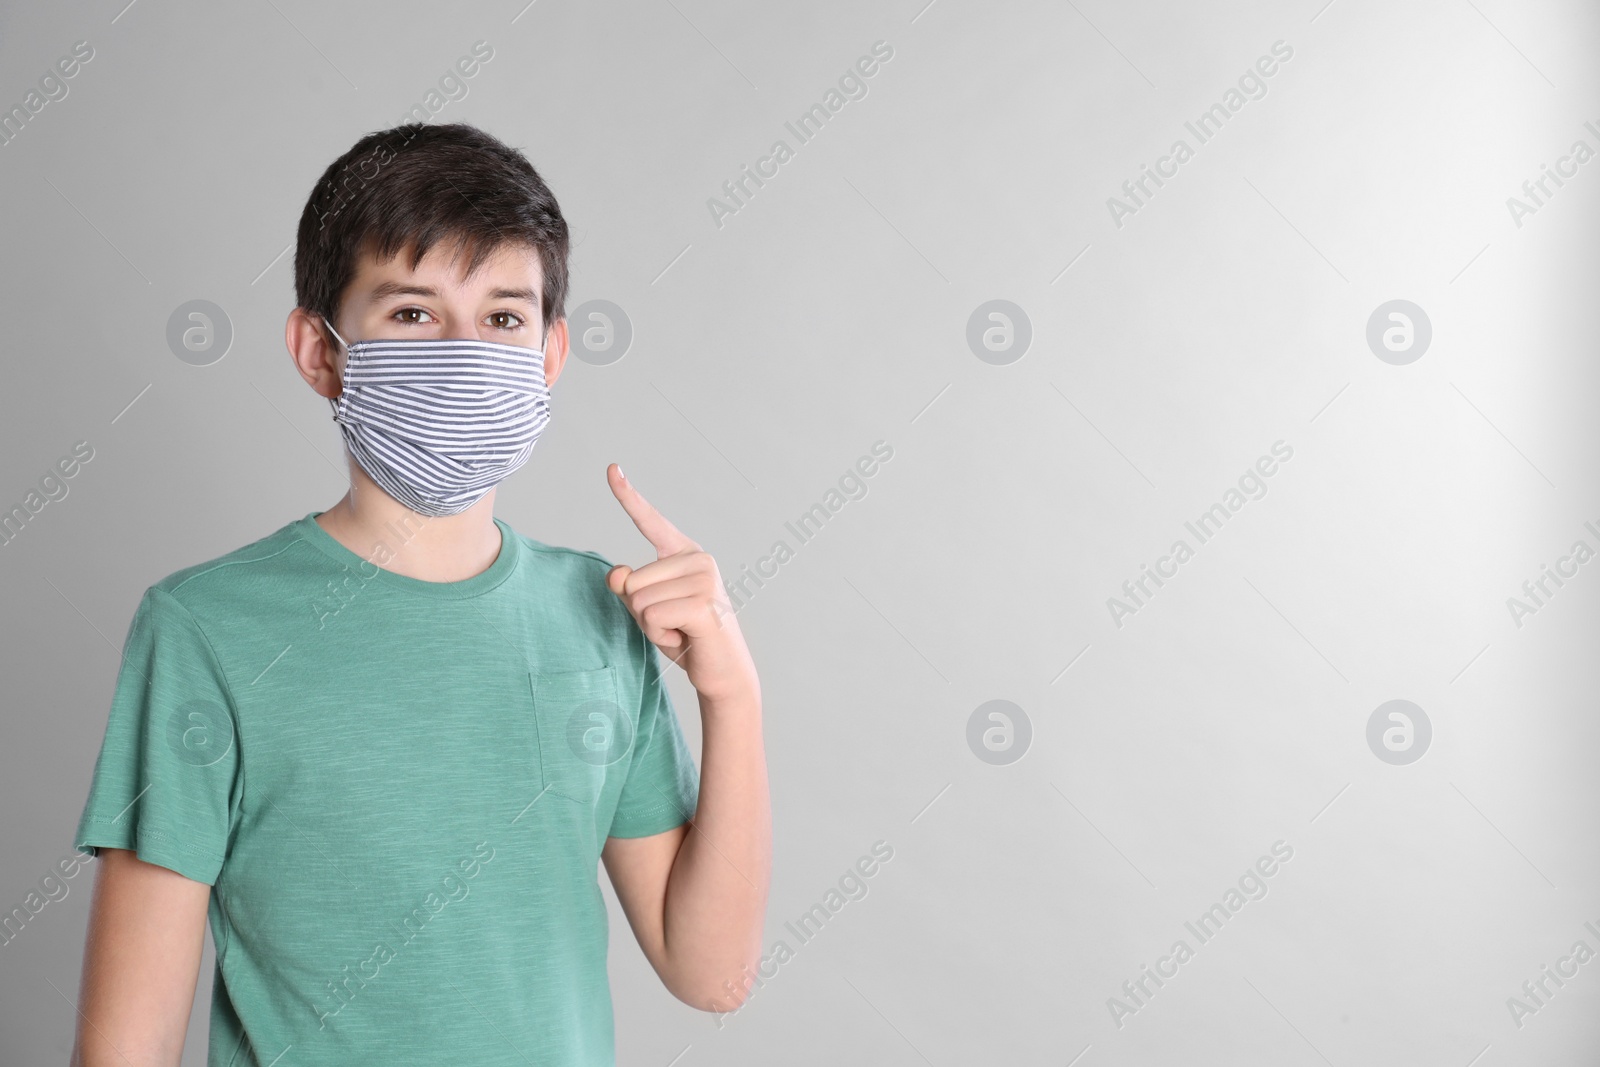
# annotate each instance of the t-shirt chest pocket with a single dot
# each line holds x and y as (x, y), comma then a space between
(583, 730)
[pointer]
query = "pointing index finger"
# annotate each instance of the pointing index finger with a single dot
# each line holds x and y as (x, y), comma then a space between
(666, 538)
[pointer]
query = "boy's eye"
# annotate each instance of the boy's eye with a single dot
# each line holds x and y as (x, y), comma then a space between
(502, 320)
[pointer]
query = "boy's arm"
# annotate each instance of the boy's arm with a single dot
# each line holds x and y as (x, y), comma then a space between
(140, 964)
(696, 895)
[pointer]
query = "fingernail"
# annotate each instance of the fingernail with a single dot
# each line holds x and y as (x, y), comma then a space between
(624, 477)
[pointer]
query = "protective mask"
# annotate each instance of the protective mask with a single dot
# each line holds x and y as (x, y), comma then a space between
(438, 423)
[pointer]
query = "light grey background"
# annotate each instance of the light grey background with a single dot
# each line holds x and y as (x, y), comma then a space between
(830, 312)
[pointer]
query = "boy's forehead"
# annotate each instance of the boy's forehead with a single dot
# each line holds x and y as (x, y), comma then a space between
(510, 270)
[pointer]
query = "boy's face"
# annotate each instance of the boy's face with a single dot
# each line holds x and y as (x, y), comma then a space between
(499, 303)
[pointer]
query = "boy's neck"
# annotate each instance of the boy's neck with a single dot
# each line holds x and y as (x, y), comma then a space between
(446, 548)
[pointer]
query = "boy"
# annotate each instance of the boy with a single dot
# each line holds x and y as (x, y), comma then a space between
(385, 748)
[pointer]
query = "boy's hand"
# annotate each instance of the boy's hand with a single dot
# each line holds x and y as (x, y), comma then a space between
(679, 603)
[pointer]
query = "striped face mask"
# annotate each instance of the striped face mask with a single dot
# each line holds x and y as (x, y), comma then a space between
(438, 423)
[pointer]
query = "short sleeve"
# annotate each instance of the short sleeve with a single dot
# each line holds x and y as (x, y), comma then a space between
(663, 784)
(164, 782)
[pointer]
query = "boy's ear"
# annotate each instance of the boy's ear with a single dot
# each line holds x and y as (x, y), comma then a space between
(315, 355)
(555, 351)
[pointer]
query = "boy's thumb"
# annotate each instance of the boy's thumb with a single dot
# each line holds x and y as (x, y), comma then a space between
(616, 576)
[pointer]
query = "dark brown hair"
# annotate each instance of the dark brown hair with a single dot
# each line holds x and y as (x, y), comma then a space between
(420, 184)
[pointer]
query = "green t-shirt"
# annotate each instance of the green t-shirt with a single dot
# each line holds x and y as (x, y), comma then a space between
(398, 790)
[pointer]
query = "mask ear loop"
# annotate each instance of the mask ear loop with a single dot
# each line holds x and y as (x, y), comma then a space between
(333, 402)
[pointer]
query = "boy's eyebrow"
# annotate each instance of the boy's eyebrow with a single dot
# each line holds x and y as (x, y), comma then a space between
(383, 290)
